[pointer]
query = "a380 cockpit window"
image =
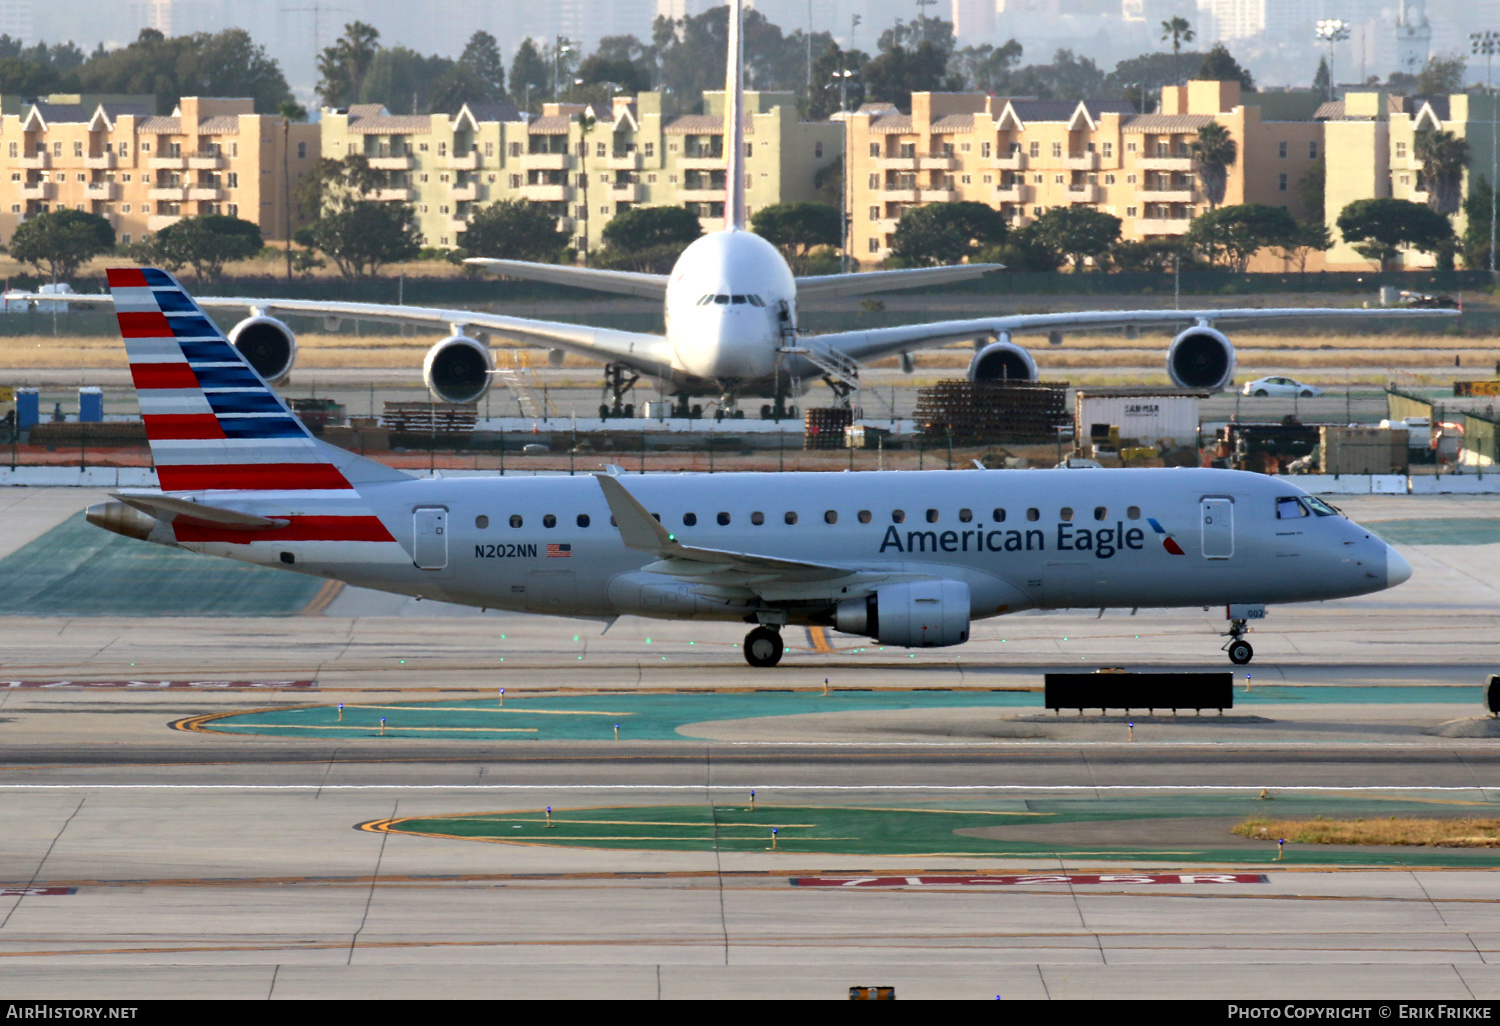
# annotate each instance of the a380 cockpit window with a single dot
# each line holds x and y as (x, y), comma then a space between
(1289, 509)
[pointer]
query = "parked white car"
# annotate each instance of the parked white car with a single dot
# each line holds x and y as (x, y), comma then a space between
(1281, 386)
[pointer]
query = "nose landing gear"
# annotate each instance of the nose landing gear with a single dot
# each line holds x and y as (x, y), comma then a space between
(1238, 648)
(763, 647)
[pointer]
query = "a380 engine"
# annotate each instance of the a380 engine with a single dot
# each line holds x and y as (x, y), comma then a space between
(1201, 357)
(457, 369)
(268, 345)
(1002, 360)
(921, 614)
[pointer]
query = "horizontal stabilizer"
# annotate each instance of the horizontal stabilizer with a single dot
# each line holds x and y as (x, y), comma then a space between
(168, 509)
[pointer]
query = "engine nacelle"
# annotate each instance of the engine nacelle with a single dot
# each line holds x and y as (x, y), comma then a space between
(922, 614)
(268, 345)
(1002, 361)
(1201, 358)
(457, 369)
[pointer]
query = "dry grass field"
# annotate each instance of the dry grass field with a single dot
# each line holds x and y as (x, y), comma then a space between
(1444, 833)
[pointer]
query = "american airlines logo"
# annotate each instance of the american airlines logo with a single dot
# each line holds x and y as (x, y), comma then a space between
(1104, 541)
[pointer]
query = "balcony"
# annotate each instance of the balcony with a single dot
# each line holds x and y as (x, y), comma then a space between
(1081, 162)
(698, 161)
(457, 224)
(546, 161)
(1167, 195)
(626, 192)
(467, 191)
(37, 190)
(1165, 163)
(156, 222)
(207, 161)
(704, 193)
(34, 161)
(167, 163)
(464, 161)
(207, 193)
(565, 224)
(897, 163)
(103, 161)
(884, 226)
(391, 163)
(1083, 193)
(938, 162)
(1163, 226)
(623, 161)
(547, 193)
(1010, 162)
(900, 194)
(402, 195)
(937, 195)
(170, 193)
(1015, 192)
(103, 191)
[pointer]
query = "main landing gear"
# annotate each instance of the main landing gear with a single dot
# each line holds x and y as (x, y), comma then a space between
(618, 381)
(1238, 648)
(763, 647)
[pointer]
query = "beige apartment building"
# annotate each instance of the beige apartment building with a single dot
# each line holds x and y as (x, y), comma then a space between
(111, 156)
(1026, 156)
(635, 154)
(1372, 154)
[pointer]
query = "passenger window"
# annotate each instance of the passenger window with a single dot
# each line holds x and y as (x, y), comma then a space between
(864, 516)
(481, 522)
(549, 520)
(689, 519)
(932, 516)
(515, 520)
(757, 518)
(898, 516)
(1289, 509)
(583, 520)
(965, 515)
(997, 515)
(1065, 514)
(1033, 514)
(830, 516)
(1100, 513)
(789, 517)
(723, 519)
(1133, 513)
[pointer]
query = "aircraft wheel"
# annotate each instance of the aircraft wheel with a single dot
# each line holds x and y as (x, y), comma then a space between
(629, 411)
(763, 647)
(739, 415)
(765, 411)
(697, 412)
(1240, 652)
(603, 411)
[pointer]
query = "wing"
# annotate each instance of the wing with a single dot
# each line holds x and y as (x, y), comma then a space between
(821, 285)
(631, 283)
(880, 342)
(650, 354)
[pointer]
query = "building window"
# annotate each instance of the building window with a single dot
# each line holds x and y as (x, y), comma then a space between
(489, 149)
(988, 179)
(422, 177)
(82, 177)
(1130, 211)
(581, 211)
(1109, 150)
(963, 179)
(1057, 149)
(874, 181)
(984, 149)
(963, 148)
(442, 177)
(125, 177)
(1057, 179)
(1038, 179)
(874, 245)
(302, 151)
(817, 149)
(421, 147)
(515, 181)
(1405, 179)
(424, 208)
(232, 180)
(515, 149)
(233, 210)
(443, 208)
(604, 208)
(1036, 211)
(1401, 149)
(1130, 147)
(1281, 149)
(671, 147)
(145, 208)
(125, 208)
(442, 240)
(1036, 148)
(124, 149)
(874, 213)
(490, 178)
(57, 148)
(125, 238)
(1130, 179)
(145, 148)
(13, 150)
(15, 208)
(1312, 149)
(442, 149)
(875, 149)
(1281, 182)
(651, 149)
(77, 148)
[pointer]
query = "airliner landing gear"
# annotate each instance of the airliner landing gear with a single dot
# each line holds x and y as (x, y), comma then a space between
(1238, 648)
(618, 380)
(763, 647)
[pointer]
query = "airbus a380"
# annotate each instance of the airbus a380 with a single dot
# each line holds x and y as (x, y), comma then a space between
(911, 559)
(730, 307)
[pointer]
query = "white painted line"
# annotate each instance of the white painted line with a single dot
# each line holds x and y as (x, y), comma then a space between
(1222, 788)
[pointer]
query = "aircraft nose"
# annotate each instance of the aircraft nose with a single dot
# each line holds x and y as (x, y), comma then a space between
(1397, 569)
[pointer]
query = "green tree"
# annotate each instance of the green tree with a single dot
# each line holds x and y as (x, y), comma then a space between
(1239, 232)
(1442, 74)
(642, 228)
(1308, 238)
(515, 230)
(205, 243)
(1219, 65)
(1150, 256)
(1379, 229)
(482, 57)
(797, 229)
(1078, 232)
(1444, 159)
(20, 77)
(335, 185)
(227, 63)
(60, 242)
(1323, 80)
(1178, 30)
(1311, 188)
(986, 68)
(1214, 150)
(1024, 250)
(343, 66)
(1139, 79)
(946, 233)
(363, 237)
(530, 77)
(831, 87)
(1477, 230)
(1068, 77)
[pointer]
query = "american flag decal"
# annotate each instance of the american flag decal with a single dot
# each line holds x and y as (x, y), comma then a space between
(563, 551)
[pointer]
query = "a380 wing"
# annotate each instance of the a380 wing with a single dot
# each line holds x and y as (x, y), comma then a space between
(876, 343)
(630, 283)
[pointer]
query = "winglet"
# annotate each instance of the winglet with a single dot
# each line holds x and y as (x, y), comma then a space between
(638, 528)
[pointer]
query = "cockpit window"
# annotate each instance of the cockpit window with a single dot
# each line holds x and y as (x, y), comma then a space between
(722, 300)
(737, 300)
(756, 301)
(1289, 509)
(705, 300)
(1320, 507)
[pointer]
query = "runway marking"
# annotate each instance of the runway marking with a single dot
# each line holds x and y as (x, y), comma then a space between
(819, 638)
(416, 707)
(769, 788)
(376, 726)
(1033, 879)
(323, 599)
(161, 685)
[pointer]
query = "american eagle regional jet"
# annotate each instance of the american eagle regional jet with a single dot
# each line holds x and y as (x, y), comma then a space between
(730, 308)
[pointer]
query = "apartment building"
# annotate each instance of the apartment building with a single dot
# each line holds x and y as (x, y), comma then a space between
(112, 156)
(1372, 154)
(1026, 156)
(447, 166)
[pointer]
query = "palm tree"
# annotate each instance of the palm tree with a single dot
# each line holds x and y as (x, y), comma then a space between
(1179, 31)
(1444, 157)
(1215, 150)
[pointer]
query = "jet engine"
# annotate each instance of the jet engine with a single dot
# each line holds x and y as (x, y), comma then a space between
(1201, 358)
(457, 369)
(922, 614)
(1002, 360)
(267, 344)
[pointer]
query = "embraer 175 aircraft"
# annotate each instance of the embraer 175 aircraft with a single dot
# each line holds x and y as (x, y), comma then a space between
(908, 558)
(731, 320)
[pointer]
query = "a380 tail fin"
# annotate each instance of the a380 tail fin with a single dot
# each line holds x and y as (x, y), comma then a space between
(213, 423)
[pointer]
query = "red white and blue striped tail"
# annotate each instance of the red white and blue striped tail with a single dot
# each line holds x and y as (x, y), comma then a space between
(212, 421)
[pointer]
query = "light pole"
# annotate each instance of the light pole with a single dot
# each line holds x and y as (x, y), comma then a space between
(1331, 31)
(561, 46)
(586, 123)
(1488, 43)
(922, 6)
(843, 76)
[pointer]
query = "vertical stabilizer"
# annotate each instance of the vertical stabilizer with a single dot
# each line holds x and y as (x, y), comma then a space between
(734, 122)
